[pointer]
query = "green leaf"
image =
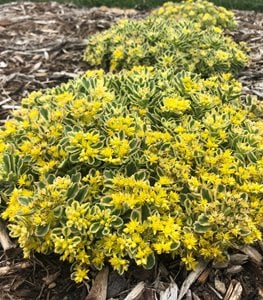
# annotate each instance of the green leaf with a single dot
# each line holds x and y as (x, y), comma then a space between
(58, 211)
(24, 200)
(7, 163)
(117, 222)
(189, 221)
(108, 174)
(94, 210)
(141, 175)
(252, 157)
(76, 240)
(66, 232)
(187, 205)
(240, 157)
(146, 212)
(244, 196)
(198, 228)
(150, 262)
(51, 178)
(42, 230)
(130, 168)
(134, 144)
(106, 231)
(74, 158)
(106, 200)
(206, 194)
(136, 215)
(174, 246)
(159, 171)
(73, 190)
(76, 177)
(80, 196)
(72, 149)
(95, 227)
(203, 220)
(64, 164)
(244, 232)
(57, 232)
(90, 161)
(44, 113)
(221, 188)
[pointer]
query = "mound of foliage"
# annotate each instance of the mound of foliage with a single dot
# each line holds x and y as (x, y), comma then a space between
(165, 43)
(115, 168)
(203, 12)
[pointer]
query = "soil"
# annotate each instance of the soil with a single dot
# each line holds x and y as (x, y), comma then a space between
(42, 45)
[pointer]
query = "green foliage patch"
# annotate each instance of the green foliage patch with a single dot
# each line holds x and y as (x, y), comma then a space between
(114, 168)
(120, 167)
(204, 12)
(165, 43)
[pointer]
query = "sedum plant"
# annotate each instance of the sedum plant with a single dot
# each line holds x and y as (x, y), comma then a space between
(203, 12)
(113, 168)
(165, 43)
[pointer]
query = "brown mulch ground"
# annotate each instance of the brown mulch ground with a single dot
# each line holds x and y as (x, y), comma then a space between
(41, 45)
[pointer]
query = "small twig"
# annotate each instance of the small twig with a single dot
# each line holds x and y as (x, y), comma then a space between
(215, 291)
(5, 101)
(12, 269)
(11, 106)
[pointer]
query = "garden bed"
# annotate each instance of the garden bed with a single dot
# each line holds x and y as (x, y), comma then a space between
(41, 46)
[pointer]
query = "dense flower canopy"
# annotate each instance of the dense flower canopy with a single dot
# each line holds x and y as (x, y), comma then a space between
(119, 167)
(160, 158)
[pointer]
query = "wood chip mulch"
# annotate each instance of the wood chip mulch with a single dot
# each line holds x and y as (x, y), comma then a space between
(42, 46)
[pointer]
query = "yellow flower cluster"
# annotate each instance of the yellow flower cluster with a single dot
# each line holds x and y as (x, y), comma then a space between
(186, 36)
(205, 13)
(172, 165)
(110, 168)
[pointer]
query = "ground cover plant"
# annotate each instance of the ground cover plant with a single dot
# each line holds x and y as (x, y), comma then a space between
(204, 12)
(123, 167)
(165, 42)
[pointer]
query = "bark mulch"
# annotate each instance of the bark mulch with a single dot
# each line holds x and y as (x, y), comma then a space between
(41, 45)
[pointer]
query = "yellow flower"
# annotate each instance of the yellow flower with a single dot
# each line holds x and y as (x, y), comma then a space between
(190, 241)
(80, 274)
(176, 104)
(132, 227)
(22, 180)
(119, 264)
(162, 247)
(221, 55)
(189, 262)
(63, 98)
(164, 180)
(118, 53)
